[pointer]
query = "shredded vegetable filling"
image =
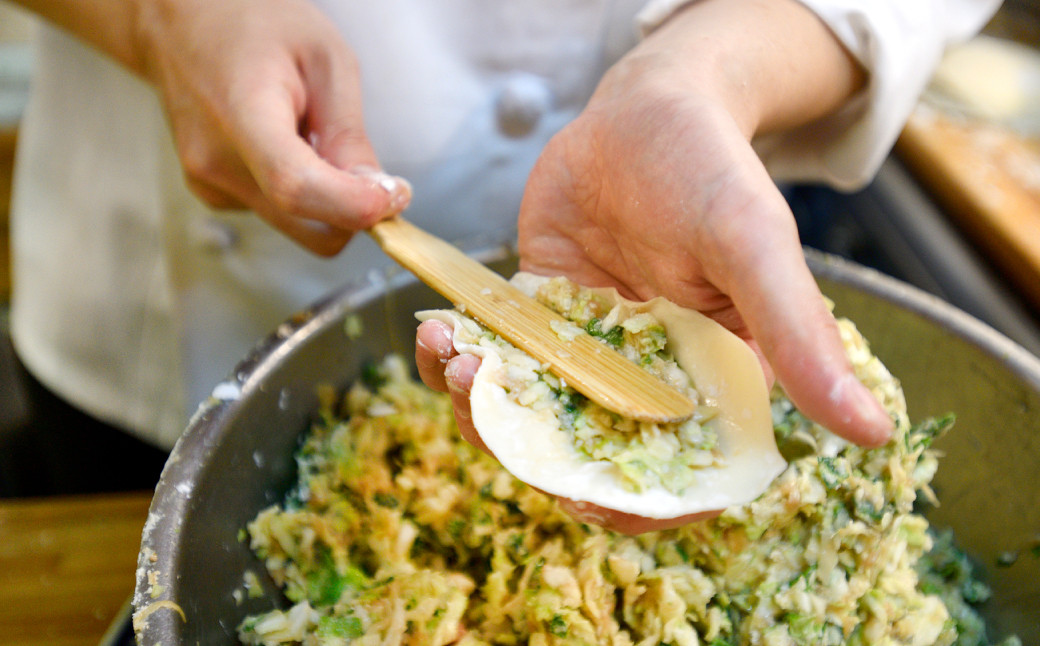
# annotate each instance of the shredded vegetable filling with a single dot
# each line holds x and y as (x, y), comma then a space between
(399, 532)
(646, 454)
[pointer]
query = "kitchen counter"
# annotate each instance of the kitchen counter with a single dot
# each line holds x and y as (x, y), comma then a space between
(987, 179)
(67, 566)
(973, 142)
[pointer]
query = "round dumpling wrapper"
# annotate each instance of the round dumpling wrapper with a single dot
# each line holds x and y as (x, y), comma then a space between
(531, 445)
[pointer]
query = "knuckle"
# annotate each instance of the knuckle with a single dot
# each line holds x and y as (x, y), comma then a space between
(211, 196)
(199, 161)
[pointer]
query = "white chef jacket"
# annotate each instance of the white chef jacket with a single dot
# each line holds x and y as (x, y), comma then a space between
(133, 299)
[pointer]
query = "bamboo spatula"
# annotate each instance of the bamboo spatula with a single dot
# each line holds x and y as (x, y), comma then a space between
(587, 365)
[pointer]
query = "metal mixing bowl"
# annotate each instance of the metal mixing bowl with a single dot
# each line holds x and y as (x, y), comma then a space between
(236, 456)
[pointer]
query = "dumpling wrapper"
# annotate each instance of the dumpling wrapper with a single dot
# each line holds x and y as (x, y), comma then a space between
(531, 445)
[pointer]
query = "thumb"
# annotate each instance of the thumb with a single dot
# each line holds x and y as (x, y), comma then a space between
(790, 321)
(809, 359)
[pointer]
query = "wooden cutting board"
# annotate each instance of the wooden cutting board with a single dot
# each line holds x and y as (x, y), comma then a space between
(67, 566)
(987, 178)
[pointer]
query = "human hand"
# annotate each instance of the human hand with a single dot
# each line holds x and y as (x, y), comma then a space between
(264, 101)
(656, 190)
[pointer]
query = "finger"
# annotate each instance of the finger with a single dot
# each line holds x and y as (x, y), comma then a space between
(218, 177)
(623, 522)
(334, 118)
(806, 351)
(335, 122)
(298, 182)
(213, 170)
(221, 181)
(458, 375)
(215, 197)
(433, 349)
(788, 317)
(317, 237)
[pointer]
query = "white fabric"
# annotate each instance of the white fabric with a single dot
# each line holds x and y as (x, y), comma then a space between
(133, 300)
(898, 43)
(883, 37)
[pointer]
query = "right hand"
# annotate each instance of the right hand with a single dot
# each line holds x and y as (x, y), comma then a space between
(264, 101)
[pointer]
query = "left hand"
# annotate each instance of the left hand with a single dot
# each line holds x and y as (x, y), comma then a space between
(655, 189)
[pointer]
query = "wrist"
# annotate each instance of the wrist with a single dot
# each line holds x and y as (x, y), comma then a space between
(139, 21)
(151, 19)
(107, 25)
(773, 65)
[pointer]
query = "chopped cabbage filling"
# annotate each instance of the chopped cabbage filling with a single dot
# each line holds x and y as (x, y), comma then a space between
(645, 454)
(399, 532)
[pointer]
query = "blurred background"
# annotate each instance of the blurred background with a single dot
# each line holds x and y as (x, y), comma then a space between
(956, 208)
(955, 211)
(15, 70)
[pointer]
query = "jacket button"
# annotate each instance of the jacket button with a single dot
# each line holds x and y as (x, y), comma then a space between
(215, 236)
(522, 101)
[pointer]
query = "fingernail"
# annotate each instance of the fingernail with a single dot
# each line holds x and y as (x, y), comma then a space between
(584, 512)
(441, 340)
(876, 422)
(462, 413)
(451, 377)
(399, 189)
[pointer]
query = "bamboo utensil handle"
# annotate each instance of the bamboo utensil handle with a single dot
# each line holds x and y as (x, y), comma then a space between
(587, 365)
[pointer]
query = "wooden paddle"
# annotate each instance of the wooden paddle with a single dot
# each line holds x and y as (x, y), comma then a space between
(587, 365)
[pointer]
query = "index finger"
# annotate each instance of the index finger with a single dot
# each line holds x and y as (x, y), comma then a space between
(291, 171)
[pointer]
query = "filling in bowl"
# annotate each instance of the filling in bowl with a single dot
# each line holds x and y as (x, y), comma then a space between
(399, 532)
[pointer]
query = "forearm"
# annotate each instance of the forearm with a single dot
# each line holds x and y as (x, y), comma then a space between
(108, 25)
(772, 63)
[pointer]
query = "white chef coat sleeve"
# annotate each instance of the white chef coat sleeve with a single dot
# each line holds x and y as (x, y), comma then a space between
(898, 43)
